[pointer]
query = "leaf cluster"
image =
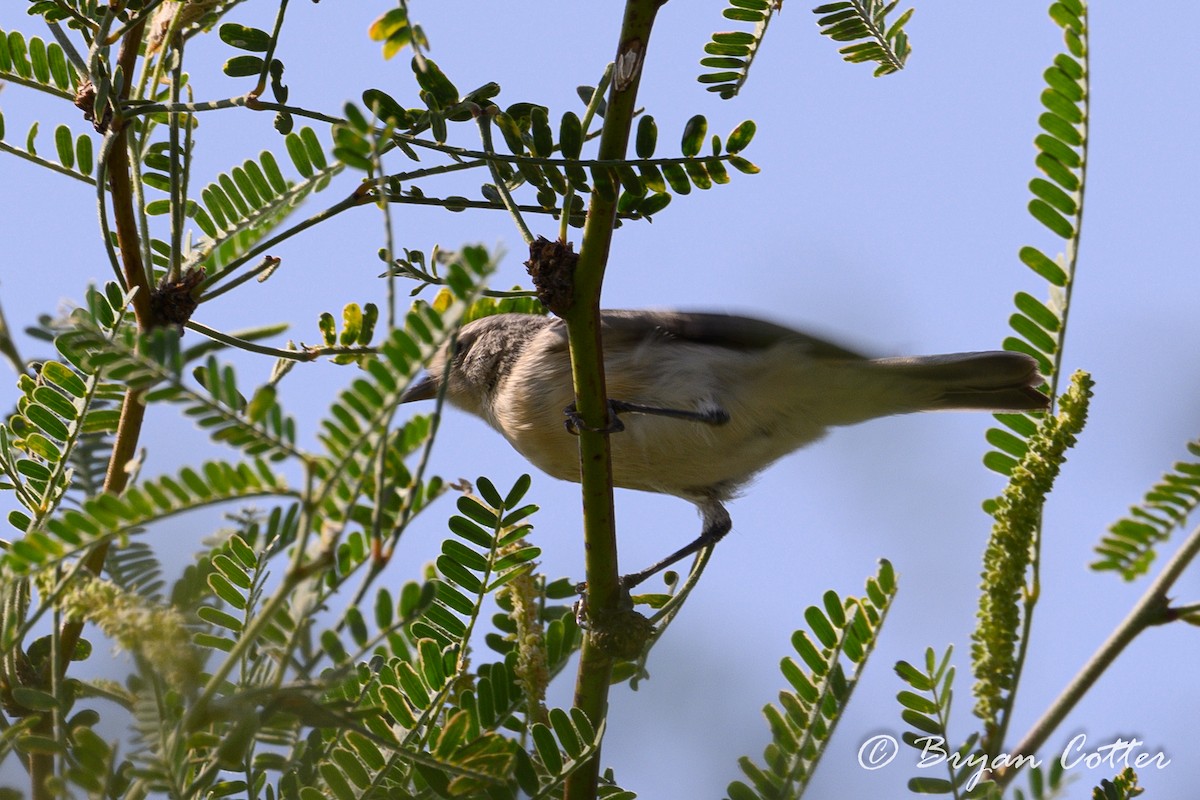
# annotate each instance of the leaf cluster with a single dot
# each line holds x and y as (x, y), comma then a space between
(730, 54)
(1123, 787)
(926, 710)
(32, 62)
(424, 717)
(238, 208)
(864, 22)
(845, 631)
(1057, 203)
(358, 327)
(641, 188)
(925, 707)
(397, 31)
(544, 156)
(61, 407)
(106, 516)
(405, 709)
(1130, 545)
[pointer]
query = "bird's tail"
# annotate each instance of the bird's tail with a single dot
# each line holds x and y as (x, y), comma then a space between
(990, 381)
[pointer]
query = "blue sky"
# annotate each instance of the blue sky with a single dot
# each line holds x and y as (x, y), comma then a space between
(888, 215)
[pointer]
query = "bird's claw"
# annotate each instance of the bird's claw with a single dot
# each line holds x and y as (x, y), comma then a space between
(625, 582)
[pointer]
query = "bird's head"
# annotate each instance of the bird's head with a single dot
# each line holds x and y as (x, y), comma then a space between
(475, 363)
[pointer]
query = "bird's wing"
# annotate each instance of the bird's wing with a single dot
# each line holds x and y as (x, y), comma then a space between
(718, 330)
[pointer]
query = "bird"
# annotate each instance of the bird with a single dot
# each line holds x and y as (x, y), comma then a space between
(700, 402)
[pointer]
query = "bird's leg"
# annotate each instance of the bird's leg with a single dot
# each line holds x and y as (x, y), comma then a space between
(711, 416)
(716, 525)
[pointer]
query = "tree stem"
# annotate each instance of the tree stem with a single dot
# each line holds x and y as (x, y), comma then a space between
(604, 591)
(133, 408)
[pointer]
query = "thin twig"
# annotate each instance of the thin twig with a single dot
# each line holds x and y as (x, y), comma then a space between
(485, 134)
(1152, 609)
(142, 108)
(8, 347)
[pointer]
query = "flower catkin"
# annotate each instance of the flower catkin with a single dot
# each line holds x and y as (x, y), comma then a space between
(1010, 550)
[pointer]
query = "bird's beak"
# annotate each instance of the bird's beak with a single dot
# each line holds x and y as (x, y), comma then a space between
(424, 389)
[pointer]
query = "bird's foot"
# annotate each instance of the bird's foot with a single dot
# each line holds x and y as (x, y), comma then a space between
(574, 423)
(626, 582)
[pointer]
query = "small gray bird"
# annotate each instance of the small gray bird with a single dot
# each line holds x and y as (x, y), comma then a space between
(713, 398)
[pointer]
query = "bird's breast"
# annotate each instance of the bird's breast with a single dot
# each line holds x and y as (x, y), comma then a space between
(682, 457)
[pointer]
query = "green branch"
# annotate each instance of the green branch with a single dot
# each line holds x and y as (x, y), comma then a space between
(485, 135)
(1152, 609)
(208, 293)
(604, 159)
(5, 147)
(142, 108)
(604, 592)
(1063, 139)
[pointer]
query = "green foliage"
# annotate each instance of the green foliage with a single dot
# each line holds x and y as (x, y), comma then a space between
(358, 327)
(135, 569)
(105, 516)
(444, 721)
(642, 187)
(349, 434)
(802, 724)
(645, 185)
(259, 427)
(1122, 787)
(60, 408)
(267, 721)
(245, 38)
(1011, 549)
(926, 710)
(45, 67)
(425, 271)
(257, 672)
(265, 66)
(396, 32)
(487, 306)
(1129, 546)
(1045, 783)
(1064, 125)
(481, 573)
(730, 54)
(1058, 204)
(75, 155)
(234, 690)
(240, 207)
(864, 22)
(1027, 451)
(34, 63)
